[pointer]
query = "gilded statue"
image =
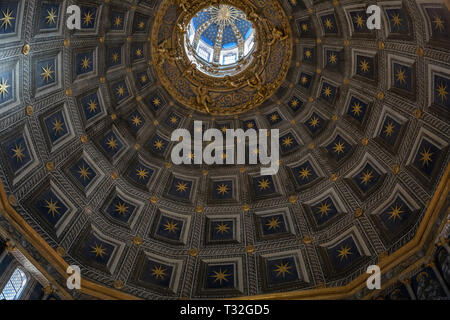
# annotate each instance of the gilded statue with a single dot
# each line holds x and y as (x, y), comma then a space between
(277, 35)
(230, 83)
(166, 53)
(182, 28)
(256, 84)
(202, 98)
(183, 4)
(256, 18)
(190, 70)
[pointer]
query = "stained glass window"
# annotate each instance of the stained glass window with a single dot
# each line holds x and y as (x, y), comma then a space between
(15, 285)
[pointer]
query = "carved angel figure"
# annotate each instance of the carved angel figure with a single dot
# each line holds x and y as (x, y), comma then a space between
(277, 35)
(182, 28)
(166, 53)
(230, 82)
(256, 84)
(202, 98)
(183, 4)
(256, 18)
(190, 70)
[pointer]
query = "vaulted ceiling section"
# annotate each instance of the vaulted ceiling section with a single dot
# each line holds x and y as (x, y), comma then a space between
(86, 175)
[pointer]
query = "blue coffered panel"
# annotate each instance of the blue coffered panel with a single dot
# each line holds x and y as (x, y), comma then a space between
(402, 77)
(51, 207)
(263, 185)
(426, 157)
(273, 224)
(221, 230)
(324, 211)
(120, 91)
(398, 23)
(396, 214)
(304, 173)
(180, 188)
(280, 271)
(343, 254)
(120, 209)
(333, 58)
(169, 227)
(83, 173)
(357, 109)
(46, 72)
(339, 148)
(117, 21)
(297, 4)
(441, 89)
(56, 126)
(173, 120)
(222, 189)
(137, 51)
(305, 80)
(309, 54)
(88, 17)
(17, 153)
(135, 121)
(295, 104)
(7, 87)
(114, 55)
(84, 63)
(140, 23)
(305, 29)
(9, 18)
(140, 174)
(158, 145)
(157, 273)
(328, 92)
(97, 251)
(367, 178)
(156, 102)
(50, 16)
(249, 124)
(329, 24)
(315, 124)
(288, 143)
(111, 144)
(220, 276)
(274, 118)
(365, 66)
(440, 22)
(143, 78)
(359, 21)
(390, 130)
(91, 106)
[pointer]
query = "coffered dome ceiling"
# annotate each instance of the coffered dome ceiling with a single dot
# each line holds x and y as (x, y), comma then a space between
(87, 115)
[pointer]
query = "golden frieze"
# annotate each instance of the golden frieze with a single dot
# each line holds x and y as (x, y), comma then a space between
(260, 77)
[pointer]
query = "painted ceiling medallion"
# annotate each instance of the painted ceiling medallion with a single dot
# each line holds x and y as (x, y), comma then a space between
(221, 59)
